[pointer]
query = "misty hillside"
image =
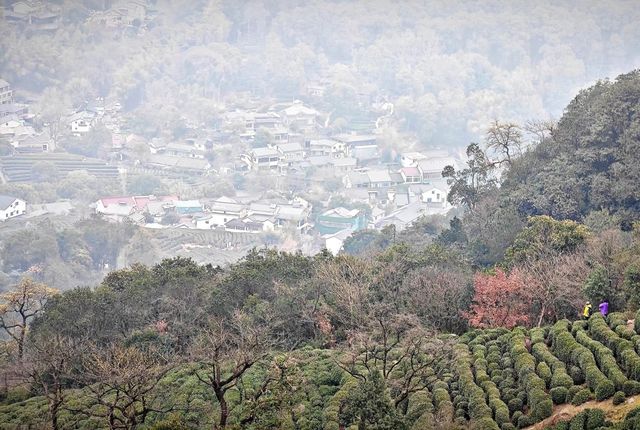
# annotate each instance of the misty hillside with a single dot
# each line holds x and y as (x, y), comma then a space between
(505, 320)
(319, 215)
(448, 68)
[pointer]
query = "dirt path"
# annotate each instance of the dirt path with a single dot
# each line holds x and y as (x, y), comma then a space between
(568, 411)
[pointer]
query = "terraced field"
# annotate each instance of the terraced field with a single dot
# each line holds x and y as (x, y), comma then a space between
(512, 379)
(19, 168)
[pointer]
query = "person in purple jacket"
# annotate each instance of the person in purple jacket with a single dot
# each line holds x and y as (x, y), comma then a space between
(604, 308)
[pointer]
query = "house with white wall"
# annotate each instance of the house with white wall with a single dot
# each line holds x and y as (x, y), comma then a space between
(11, 207)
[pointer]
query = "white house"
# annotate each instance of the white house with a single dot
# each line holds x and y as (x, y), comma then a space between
(434, 195)
(203, 222)
(431, 168)
(262, 159)
(82, 122)
(330, 147)
(335, 242)
(300, 116)
(223, 210)
(290, 151)
(11, 207)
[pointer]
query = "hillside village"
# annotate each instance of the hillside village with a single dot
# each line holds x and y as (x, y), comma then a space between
(286, 146)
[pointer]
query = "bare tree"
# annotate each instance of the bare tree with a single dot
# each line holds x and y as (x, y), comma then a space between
(47, 366)
(555, 282)
(505, 138)
(438, 296)
(541, 130)
(225, 350)
(122, 383)
(21, 304)
(400, 349)
(348, 284)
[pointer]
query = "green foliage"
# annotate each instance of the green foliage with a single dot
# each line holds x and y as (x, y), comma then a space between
(598, 286)
(582, 396)
(558, 395)
(584, 168)
(544, 235)
(144, 185)
(618, 398)
(369, 404)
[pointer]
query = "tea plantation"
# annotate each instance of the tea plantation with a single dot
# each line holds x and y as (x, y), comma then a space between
(495, 379)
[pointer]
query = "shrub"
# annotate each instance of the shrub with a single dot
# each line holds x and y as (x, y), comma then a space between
(604, 390)
(538, 399)
(559, 395)
(515, 405)
(595, 419)
(536, 335)
(478, 408)
(572, 392)
(507, 426)
(525, 421)
(582, 396)
(485, 424)
(516, 416)
(578, 421)
(560, 378)
(542, 410)
(578, 325)
(544, 372)
(17, 394)
(631, 388)
(605, 359)
(577, 375)
(618, 398)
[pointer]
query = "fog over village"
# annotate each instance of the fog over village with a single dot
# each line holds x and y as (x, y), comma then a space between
(287, 183)
(207, 128)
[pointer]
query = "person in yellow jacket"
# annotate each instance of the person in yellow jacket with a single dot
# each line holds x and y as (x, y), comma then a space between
(586, 312)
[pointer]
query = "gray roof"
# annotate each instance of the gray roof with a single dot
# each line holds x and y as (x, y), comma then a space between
(290, 147)
(3, 83)
(436, 164)
(265, 152)
(5, 201)
(379, 176)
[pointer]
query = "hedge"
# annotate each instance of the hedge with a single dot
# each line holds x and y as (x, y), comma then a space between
(595, 419)
(623, 349)
(539, 400)
(444, 410)
(558, 395)
(582, 396)
(544, 372)
(604, 358)
(478, 408)
(420, 410)
(579, 421)
(567, 348)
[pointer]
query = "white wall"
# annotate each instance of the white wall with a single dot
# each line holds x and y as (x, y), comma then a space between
(18, 207)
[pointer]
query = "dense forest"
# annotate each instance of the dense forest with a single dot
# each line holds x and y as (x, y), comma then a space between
(470, 327)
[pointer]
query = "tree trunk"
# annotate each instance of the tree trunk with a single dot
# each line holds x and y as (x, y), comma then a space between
(541, 316)
(21, 342)
(54, 405)
(224, 408)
